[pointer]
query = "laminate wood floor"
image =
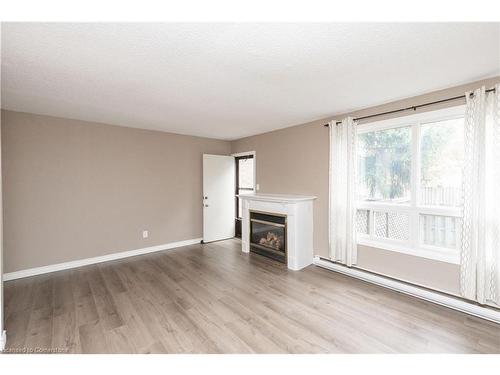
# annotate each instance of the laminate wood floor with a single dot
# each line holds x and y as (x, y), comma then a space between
(212, 298)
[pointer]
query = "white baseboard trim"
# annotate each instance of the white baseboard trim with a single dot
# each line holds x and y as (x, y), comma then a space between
(412, 290)
(105, 258)
(3, 341)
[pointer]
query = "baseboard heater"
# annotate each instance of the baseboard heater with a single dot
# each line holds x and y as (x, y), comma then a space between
(455, 303)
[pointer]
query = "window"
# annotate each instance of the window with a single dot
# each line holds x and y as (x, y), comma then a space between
(409, 184)
(392, 225)
(245, 178)
(384, 163)
(441, 160)
(245, 184)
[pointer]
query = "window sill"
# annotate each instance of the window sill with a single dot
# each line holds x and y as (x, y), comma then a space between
(439, 255)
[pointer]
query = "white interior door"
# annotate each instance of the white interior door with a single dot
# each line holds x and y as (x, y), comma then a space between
(218, 197)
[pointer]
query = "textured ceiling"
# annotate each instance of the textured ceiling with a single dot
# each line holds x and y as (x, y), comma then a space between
(228, 81)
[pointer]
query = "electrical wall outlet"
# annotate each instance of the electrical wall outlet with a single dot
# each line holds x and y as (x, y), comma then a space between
(145, 234)
(257, 187)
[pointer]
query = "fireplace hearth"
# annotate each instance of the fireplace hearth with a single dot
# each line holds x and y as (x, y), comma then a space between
(268, 235)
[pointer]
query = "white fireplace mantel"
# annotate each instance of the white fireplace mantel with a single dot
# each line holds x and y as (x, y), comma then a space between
(299, 213)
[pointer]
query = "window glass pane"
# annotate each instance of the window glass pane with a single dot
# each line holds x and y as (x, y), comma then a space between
(362, 221)
(242, 192)
(245, 173)
(393, 225)
(384, 165)
(441, 231)
(442, 155)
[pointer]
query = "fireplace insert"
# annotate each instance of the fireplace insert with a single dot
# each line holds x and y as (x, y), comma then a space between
(268, 235)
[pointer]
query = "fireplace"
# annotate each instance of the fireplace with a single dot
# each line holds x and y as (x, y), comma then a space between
(268, 235)
(286, 216)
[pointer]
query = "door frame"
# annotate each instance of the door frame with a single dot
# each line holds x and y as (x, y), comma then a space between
(237, 156)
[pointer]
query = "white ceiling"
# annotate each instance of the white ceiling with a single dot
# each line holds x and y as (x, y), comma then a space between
(228, 81)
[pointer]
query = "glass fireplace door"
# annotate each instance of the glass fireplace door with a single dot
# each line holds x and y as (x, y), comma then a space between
(268, 235)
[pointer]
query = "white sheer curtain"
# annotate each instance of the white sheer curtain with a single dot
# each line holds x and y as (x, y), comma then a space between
(480, 253)
(342, 226)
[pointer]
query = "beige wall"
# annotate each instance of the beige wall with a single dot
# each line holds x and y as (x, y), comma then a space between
(74, 189)
(295, 160)
(1, 210)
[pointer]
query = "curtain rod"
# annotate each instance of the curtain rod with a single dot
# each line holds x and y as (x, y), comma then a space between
(412, 107)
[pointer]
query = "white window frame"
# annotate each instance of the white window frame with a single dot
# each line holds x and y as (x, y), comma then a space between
(255, 185)
(413, 246)
(254, 154)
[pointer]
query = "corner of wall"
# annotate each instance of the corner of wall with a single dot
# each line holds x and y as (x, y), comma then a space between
(2, 332)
